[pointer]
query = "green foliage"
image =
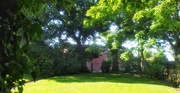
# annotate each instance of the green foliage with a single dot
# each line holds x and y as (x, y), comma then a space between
(19, 26)
(126, 56)
(66, 63)
(165, 22)
(40, 56)
(156, 67)
(94, 51)
(132, 65)
(174, 76)
(44, 65)
(60, 60)
(105, 67)
(15, 35)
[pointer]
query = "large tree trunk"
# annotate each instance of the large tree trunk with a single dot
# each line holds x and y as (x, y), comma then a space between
(175, 46)
(142, 61)
(82, 55)
(115, 67)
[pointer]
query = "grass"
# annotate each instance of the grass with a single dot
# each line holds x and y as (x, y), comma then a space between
(98, 83)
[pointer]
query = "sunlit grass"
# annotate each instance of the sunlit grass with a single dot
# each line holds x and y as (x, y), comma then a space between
(98, 83)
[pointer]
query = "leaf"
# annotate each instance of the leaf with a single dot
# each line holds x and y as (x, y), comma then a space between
(35, 31)
(23, 41)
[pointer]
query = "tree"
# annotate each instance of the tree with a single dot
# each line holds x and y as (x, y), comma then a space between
(71, 25)
(165, 22)
(151, 16)
(115, 13)
(18, 27)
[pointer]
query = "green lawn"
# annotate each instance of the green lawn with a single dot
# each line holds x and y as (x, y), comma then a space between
(98, 83)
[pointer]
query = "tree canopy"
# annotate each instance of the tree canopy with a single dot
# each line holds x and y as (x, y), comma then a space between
(143, 19)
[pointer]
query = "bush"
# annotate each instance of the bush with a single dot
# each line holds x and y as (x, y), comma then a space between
(105, 67)
(174, 77)
(66, 66)
(40, 55)
(57, 60)
(156, 69)
(65, 62)
(44, 66)
(132, 67)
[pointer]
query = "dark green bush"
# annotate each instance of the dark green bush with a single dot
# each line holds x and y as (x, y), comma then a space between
(156, 71)
(65, 62)
(132, 67)
(40, 55)
(44, 65)
(66, 66)
(105, 67)
(156, 68)
(57, 60)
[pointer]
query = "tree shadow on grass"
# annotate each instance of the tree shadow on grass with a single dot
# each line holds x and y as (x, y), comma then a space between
(106, 77)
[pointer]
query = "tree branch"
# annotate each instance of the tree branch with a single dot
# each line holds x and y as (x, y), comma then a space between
(166, 37)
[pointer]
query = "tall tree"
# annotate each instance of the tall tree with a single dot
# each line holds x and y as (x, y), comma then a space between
(71, 25)
(149, 18)
(115, 13)
(165, 22)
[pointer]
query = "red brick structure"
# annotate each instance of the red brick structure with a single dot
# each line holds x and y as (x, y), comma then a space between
(96, 63)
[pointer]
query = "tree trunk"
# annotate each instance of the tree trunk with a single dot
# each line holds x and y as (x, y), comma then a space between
(177, 56)
(115, 67)
(142, 61)
(82, 55)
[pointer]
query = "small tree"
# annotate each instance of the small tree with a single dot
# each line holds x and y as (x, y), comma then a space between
(105, 67)
(156, 67)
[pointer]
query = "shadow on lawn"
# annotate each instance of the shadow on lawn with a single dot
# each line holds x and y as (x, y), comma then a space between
(103, 77)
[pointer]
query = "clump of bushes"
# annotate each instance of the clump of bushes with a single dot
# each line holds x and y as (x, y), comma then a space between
(132, 67)
(57, 60)
(44, 65)
(156, 67)
(174, 77)
(66, 65)
(156, 70)
(105, 67)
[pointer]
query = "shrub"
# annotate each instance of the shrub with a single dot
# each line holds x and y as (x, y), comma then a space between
(66, 66)
(105, 67)
(65, 63)
(40, 55)
(156, 68)
(57, 60)
(174, 77)
(156, 71)
(132, 67)
(44, 65)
